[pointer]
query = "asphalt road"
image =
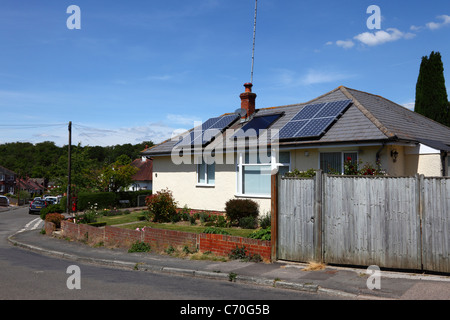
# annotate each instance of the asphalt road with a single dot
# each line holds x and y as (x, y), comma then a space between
(26, 275)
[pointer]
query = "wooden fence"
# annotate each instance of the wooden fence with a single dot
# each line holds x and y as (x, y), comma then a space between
(401, 223)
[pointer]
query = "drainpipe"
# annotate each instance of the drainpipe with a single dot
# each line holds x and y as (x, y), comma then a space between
(377, 157)
(443, 166)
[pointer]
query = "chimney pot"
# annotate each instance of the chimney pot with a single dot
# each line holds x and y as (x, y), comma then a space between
(248, 87)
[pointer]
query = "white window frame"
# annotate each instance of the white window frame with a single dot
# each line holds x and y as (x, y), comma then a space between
(206, 183)
(240, 166)
(342, 158)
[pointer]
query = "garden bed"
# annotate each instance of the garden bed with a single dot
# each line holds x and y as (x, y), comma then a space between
(134, 220)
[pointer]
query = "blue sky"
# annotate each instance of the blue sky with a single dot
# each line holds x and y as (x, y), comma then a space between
(142, 70)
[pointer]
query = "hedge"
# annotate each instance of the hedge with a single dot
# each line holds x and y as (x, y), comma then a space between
(106, 200)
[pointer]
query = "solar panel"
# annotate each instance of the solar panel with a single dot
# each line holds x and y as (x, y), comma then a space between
(333, 109)
(315, 127)
(210, 122)
(313, 120)
(309, 111)
(291, 128)
(223, 122)
(257, 124)
(210, 128)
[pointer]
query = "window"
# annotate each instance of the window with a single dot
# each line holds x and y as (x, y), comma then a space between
(333, 162)
(285, 163)
(254, 172)
(206, 174)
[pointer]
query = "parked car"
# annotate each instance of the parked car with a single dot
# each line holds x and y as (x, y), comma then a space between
(4, 201)
(36, 206)
(53, 200)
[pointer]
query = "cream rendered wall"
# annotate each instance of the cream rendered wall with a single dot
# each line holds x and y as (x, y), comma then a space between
(182, 181)
(305, 159)
(423, 160)
(410, 160)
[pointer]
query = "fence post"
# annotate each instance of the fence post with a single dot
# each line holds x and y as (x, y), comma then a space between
(318, 233)
(274, 216)
(420, 196)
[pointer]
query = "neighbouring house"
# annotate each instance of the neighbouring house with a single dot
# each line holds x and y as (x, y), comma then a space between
(320, 134)
(7, 181)
(35, 187)
(142, 180)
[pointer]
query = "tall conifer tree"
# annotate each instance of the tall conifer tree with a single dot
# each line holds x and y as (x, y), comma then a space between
(431, 94)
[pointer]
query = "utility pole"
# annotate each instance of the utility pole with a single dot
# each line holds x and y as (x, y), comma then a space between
(69, 169)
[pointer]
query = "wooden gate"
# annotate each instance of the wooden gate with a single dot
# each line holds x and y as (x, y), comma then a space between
(297, 227)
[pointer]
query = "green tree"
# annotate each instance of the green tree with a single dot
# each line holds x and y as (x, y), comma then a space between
(116, 176)
(431, 93)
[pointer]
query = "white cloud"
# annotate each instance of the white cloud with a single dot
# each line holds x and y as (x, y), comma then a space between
(346, 44)
(436, 25)
(380, 37)
(415, 28)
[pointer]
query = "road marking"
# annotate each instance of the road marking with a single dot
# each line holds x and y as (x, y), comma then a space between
(36, 223)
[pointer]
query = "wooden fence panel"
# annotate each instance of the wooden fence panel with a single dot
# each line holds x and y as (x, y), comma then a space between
(436, 224)
(296, 220)
(371, 221)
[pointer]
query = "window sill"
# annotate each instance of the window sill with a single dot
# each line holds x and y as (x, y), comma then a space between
(201, 185)
(259, 196)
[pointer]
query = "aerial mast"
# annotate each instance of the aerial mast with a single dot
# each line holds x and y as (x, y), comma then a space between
(254, 40)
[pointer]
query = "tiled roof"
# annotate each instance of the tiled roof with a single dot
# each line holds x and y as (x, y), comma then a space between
(369, 118)
(145, 168)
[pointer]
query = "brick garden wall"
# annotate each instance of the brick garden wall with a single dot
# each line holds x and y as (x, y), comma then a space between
(222, 245)
(160, 239)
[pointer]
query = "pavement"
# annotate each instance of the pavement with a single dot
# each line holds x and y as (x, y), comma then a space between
(342, 282)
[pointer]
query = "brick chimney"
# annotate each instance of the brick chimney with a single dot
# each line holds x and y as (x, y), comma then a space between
(248, 100)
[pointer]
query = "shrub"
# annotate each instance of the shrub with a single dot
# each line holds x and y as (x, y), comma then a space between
(236, 209)
(301, 174)
(185, 213)
(101, 199)
(87, 217)
(56, 218)
(265, 221)
(248, 223)
(139, 247)
(162, 205)
(221, 222)
(214, 230)
(238, 253)
(175, 218)
(192, 220)
(241, 254)
(53, 208)
(261, 234)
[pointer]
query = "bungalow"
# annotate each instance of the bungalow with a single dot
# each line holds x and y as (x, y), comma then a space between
(233, 155)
